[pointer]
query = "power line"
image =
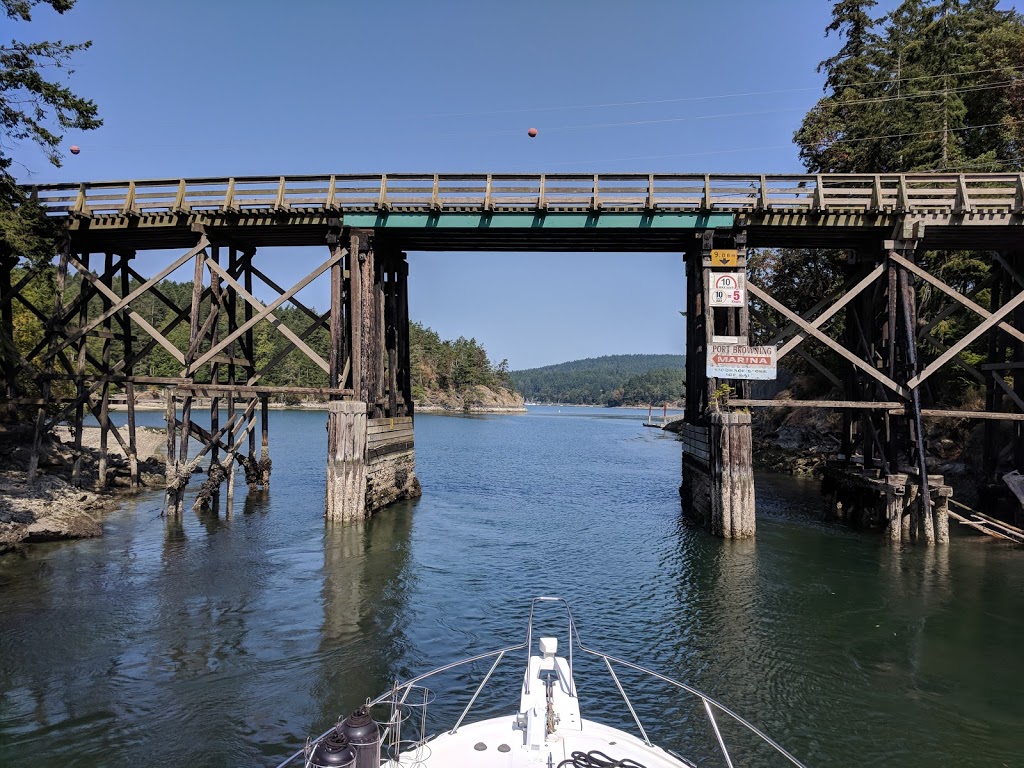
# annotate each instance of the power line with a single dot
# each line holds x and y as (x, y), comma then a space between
(757, 113)
(711, 97)
(736, 150)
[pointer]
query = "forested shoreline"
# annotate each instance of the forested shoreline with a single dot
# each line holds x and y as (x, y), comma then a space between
(439, 366)
(611, 380)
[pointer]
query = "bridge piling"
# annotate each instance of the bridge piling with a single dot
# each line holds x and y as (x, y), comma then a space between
(371, 458)
(346, 461)
(718, 476)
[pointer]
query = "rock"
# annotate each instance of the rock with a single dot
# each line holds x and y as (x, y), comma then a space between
(64, 524)
(13, 516)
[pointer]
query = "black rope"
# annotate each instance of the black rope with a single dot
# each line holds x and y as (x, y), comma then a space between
(596, 759)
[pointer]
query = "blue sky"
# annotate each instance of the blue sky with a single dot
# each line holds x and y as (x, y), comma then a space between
(218, 88)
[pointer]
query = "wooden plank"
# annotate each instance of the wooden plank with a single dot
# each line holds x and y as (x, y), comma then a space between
(870, 405)
(383, 425)
(981, 415)
(228, 388)
(976, 525)
(387, 450)
(390, 437)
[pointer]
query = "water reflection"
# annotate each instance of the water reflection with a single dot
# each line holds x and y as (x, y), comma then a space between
(256, 501)
(366, 583)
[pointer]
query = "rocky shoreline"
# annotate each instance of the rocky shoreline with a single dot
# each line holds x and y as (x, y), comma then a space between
(52, 508)
(478, 399)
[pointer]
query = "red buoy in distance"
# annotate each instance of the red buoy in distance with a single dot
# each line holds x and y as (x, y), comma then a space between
(532, 133)
(75, 149)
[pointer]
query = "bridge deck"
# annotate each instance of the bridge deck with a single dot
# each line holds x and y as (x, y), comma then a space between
(642, 212)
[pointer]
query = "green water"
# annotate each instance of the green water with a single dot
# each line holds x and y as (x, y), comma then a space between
(226, 641)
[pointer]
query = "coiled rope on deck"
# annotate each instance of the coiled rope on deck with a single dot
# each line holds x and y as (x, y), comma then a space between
(597, 759)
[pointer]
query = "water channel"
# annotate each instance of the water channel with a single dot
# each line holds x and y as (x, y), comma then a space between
(227, 640)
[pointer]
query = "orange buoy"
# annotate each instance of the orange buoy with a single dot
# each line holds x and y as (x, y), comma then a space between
(75, 149)
(532, 133)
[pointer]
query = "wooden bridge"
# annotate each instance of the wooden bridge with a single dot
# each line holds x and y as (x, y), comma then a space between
(119, 233)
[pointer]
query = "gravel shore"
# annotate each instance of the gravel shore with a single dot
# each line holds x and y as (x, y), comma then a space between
(52, 508)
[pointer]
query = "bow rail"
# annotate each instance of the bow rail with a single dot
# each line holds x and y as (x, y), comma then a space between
(397, 696)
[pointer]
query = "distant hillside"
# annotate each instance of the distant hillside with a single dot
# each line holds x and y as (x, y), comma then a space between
(610, 380)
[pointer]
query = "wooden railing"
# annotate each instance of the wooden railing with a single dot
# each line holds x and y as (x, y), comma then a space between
(1001, 193)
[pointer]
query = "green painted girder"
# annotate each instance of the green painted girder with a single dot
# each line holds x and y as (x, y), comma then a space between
(537, 220)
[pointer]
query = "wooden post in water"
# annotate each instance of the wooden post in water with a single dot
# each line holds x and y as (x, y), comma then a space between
(83, 318)
(129, 387)
(732, 476)
(265, 463)
(346, 461)
(8, 355)
(250, 351)
(171, 463)
(232, 323)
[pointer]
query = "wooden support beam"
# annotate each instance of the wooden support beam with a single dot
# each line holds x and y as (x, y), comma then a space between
(911, 267)
(869, 405)
(828, 341)
(337, 330)
(829, 313)
(403, 336)
(285, 351)
(391, 333)
(266, 312)
(993, 320)
(104, 415)
(246, 391)
(167, 345)
(45, 388)
(358, 248)
(8, 350)
(118, 303)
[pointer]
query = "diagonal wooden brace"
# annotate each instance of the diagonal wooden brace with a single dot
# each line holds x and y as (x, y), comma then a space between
(143, 323)
(267, 313)
(967, 340)
(831, 311)
(809, 358)
(120, 303)
(912, 267)
(828, 341)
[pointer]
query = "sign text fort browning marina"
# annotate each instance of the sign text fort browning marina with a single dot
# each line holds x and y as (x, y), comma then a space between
(737, 361)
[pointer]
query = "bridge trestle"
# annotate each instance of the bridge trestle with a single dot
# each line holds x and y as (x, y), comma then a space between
(100, 330)
(894, 347)
(882, 338)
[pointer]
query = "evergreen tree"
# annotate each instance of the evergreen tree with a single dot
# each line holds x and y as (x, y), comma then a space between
(938, 87)
(34, 108)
